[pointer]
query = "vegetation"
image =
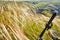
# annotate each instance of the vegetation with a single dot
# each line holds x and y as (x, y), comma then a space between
(19, 22)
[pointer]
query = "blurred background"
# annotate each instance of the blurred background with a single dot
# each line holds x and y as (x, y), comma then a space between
(26, 19)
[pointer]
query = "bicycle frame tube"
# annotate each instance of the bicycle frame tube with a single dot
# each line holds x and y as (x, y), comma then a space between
(48, 26)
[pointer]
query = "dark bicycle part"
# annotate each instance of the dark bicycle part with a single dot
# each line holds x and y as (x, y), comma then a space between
(54, 37)
(48, 26)
(54, 11)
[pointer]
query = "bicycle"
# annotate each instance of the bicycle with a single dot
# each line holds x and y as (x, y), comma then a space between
(48, 26)
(53, 34)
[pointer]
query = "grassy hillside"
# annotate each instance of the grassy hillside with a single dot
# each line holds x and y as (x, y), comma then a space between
(19, 22)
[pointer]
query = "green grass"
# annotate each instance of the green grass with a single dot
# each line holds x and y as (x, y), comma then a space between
(18, 22)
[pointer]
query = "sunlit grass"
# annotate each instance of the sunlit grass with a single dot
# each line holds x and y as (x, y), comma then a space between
(18, 22)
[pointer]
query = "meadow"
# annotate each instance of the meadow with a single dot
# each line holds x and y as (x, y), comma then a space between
(18, 21)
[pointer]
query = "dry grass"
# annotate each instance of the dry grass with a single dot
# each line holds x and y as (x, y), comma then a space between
(18, 22)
